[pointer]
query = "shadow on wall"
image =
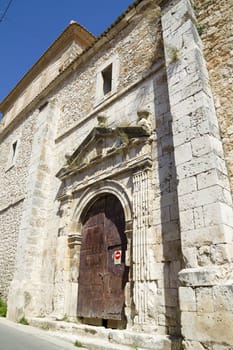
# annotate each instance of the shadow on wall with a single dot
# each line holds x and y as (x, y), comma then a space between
(169, 211)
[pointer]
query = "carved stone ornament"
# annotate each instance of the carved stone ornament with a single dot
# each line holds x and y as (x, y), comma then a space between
(74, 239)
(121, 146)
(102, 121)
(144, 120)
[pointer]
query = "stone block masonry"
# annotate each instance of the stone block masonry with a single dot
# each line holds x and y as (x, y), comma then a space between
(9, 222)
(13, 189)
(214, 22)
(34, 246)
(205, 206)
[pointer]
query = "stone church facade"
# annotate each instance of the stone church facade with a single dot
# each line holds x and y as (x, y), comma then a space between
(116, 179)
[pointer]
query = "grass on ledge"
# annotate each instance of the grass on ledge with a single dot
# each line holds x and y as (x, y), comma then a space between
(3, 308)
(24, 321)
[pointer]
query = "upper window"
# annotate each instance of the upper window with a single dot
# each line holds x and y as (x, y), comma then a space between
(14, 147)
(107, 79)
(12, 154)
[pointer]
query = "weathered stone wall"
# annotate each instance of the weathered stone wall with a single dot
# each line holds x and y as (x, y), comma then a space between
(33, 279)
(215, 27)
(13, 175)
(204, 197)
(195, 211)
(166, 211)
(137, 47)
(9, 225)
(142, 85)
(13, 179)
(167, 247)
(43, 76)
(163, 246)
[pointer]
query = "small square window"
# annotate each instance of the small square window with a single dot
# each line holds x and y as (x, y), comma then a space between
(107, 79)
(14, 147)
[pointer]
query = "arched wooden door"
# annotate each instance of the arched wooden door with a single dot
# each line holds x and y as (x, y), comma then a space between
(102, 273)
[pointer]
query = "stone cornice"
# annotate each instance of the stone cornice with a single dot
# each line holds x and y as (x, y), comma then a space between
(124, 139)
(129, 166)
(12, 204)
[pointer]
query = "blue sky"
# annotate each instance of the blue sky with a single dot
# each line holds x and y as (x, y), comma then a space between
(31, 26)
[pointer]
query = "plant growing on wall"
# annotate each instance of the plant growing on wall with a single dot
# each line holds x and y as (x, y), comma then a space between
(78, 344)
(123, 136)
(174, 54)
(24, 321)
(200, 28)
(3, 308)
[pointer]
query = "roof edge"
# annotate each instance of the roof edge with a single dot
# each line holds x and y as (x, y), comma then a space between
(93, 42)
(74, 31)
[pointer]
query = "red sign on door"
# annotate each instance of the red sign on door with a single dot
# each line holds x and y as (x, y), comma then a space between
(117, 257)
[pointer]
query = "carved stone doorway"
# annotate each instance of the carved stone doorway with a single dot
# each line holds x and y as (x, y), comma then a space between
(102, 273)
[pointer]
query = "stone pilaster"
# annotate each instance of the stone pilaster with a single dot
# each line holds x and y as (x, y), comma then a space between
(66, 264)
(205, 203)
(141, 224)
(32, 286)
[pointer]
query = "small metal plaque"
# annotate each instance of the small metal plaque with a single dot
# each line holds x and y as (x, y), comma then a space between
(117, 257)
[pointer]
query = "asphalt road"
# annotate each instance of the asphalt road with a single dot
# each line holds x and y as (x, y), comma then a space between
(17, 337)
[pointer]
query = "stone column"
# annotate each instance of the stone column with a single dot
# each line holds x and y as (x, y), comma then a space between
(205, 202)
(141, 224)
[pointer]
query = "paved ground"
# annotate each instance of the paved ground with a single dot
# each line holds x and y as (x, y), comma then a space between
(18, 337)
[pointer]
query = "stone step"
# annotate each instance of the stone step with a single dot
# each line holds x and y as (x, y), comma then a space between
(93, 343)
(70, 327)
(100, 338)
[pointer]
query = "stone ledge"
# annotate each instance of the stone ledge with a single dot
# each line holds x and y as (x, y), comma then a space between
(206, 276)
(11, 204)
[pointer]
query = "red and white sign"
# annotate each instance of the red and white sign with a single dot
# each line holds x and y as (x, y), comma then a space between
(117, 257)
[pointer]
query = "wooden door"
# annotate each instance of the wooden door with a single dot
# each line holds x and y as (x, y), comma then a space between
(102, 273)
